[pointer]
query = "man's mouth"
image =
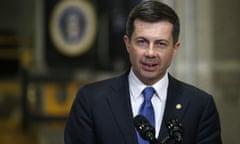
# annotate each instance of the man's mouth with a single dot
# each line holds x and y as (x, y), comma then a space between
(149, 66)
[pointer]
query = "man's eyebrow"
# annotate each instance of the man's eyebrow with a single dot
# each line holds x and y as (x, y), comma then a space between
(145, 39)
(162, 40)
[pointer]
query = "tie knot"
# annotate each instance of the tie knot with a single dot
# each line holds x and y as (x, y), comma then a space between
(148, 93)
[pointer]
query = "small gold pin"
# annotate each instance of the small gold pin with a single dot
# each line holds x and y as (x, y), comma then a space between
(178, 106)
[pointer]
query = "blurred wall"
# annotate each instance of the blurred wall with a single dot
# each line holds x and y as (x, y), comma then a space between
(209, 56)
(226, 57)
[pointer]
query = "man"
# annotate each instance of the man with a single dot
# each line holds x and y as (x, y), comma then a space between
(103, 112)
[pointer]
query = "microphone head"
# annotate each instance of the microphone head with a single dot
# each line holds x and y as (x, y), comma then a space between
(144, 128)
(175, 130)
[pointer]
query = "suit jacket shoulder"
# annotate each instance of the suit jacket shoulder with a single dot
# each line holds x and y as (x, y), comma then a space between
(103, 86)
(101, 113)
(195, 109)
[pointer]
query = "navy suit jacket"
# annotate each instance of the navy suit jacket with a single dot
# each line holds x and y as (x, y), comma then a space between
(101, 114)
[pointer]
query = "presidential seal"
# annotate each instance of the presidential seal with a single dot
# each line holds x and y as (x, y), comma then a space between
(73, 26)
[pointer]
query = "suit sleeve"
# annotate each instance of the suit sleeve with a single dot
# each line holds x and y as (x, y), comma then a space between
(79, 126)
(209, 130)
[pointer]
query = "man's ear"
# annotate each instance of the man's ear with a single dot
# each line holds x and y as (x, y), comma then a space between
(176, 46)
(126, 41)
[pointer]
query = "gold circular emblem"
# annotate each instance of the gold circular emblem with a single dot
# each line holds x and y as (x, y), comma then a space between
(73, 26)
(178, 106)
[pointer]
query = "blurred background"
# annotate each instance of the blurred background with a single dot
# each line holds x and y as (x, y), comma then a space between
(50, 48)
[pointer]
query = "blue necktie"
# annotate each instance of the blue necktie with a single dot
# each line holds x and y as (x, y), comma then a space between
(147, 110)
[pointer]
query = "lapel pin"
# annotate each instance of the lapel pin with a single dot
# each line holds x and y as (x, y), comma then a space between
(178, 106)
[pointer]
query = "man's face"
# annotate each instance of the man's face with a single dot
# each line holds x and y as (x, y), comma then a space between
(151, 49)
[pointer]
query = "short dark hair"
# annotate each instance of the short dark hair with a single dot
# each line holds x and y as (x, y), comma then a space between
(153, 11)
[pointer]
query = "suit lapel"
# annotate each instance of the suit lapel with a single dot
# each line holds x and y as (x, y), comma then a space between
(176, 105)
(119, 102)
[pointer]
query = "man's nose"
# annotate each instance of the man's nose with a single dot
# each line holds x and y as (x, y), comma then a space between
(150, 51)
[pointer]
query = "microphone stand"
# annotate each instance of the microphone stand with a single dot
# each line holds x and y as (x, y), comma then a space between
(164, 141)
(156, 141)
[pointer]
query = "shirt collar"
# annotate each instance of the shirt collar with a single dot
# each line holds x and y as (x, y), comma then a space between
(136, 86)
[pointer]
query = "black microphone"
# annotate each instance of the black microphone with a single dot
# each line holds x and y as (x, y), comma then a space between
(175, 130)
(145, 129)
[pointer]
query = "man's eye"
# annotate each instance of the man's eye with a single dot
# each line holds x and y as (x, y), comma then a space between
(162, 44)
(141, 41)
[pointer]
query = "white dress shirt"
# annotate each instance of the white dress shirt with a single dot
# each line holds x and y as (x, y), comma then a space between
(158, 100)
